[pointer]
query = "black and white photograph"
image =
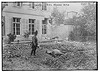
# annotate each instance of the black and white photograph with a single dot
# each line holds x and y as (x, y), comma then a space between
(49, 35)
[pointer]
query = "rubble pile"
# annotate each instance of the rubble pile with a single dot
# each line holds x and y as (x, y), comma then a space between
(12, 51)
(73, 56)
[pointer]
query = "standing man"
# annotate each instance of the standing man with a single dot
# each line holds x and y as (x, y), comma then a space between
(34, 43)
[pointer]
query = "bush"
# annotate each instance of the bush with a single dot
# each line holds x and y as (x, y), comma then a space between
(26, 34)
(79, 34)
(73, 36)
(12, 37)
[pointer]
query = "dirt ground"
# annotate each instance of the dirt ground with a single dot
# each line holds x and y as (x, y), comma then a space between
(77, 56)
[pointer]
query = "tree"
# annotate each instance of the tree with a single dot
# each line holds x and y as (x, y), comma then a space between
(85, 24)
(79, 31)
(89, 12)
(58, 17)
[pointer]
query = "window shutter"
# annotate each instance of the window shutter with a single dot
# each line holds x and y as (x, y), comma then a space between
(14, 4)
(27, 24)
(44, 6)
(33, 5)
(37, 24)
(30, 5)
(12, 25)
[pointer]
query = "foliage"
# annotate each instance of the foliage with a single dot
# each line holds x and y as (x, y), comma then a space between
(26, 34)
(71, 36)
(84, 25)
(78, 34)
(71, 21)
(90, 16)
(58, 17)
(12, 37)
(89, 11)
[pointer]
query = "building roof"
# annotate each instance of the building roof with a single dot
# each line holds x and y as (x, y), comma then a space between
(26, 10)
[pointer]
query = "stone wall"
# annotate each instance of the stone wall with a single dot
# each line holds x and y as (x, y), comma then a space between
(61, 31)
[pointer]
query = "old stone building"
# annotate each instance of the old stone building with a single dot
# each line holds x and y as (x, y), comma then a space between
(21, 17)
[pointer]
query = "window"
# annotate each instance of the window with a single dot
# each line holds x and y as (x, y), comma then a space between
(32, 5)
(44, 6)
(31, 26)
(44, 26)
(16, 26)
(18, 4)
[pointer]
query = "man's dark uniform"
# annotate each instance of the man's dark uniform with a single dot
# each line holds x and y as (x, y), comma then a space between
(34, 44)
